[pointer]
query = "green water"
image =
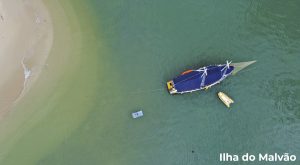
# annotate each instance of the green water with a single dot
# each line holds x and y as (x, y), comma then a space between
(130, 49)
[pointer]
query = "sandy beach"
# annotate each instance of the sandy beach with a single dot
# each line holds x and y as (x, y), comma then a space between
(26, 35)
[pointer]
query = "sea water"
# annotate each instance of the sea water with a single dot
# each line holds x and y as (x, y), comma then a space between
(148, 43)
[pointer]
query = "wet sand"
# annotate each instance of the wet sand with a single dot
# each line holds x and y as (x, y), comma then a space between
(26, 35)
(59, 90)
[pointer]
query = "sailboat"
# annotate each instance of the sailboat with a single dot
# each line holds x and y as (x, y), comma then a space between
(204, 77)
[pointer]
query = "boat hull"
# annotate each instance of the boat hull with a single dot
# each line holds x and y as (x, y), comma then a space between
(202, 78)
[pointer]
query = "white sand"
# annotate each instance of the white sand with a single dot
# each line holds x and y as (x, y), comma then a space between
(26, 35)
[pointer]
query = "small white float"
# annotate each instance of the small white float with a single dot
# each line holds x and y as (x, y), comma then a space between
(137, 114)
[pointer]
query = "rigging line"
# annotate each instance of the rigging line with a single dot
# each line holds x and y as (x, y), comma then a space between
(115, 96)
(197, 73)
(192, 76)
(200, 71)
(148, 91)
(189, 77)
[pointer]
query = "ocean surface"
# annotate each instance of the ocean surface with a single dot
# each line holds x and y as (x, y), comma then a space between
(126, 52)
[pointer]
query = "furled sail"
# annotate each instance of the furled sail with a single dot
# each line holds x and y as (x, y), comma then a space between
(241, 65)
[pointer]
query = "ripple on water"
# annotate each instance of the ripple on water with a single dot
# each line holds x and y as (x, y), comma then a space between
(284, 92)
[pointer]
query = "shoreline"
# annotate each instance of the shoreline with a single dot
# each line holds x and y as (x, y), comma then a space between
(43, 103)
(26, 36)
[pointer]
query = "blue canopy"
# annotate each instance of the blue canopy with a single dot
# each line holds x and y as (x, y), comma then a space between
(198, 79)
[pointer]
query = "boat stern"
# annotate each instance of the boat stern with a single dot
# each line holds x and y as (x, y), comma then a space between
(171, 88)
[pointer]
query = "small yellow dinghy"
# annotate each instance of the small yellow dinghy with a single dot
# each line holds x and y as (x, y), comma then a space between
(225, 99)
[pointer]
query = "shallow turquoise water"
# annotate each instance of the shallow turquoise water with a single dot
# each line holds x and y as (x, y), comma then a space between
(150, 42)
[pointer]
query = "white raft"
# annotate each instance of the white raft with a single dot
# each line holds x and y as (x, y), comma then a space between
(225, 99)
(137, 114)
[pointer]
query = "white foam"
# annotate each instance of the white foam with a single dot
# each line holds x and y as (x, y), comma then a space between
(27, 71)
(27, 74)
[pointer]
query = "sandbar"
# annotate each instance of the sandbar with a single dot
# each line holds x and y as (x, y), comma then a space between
(26, 37)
